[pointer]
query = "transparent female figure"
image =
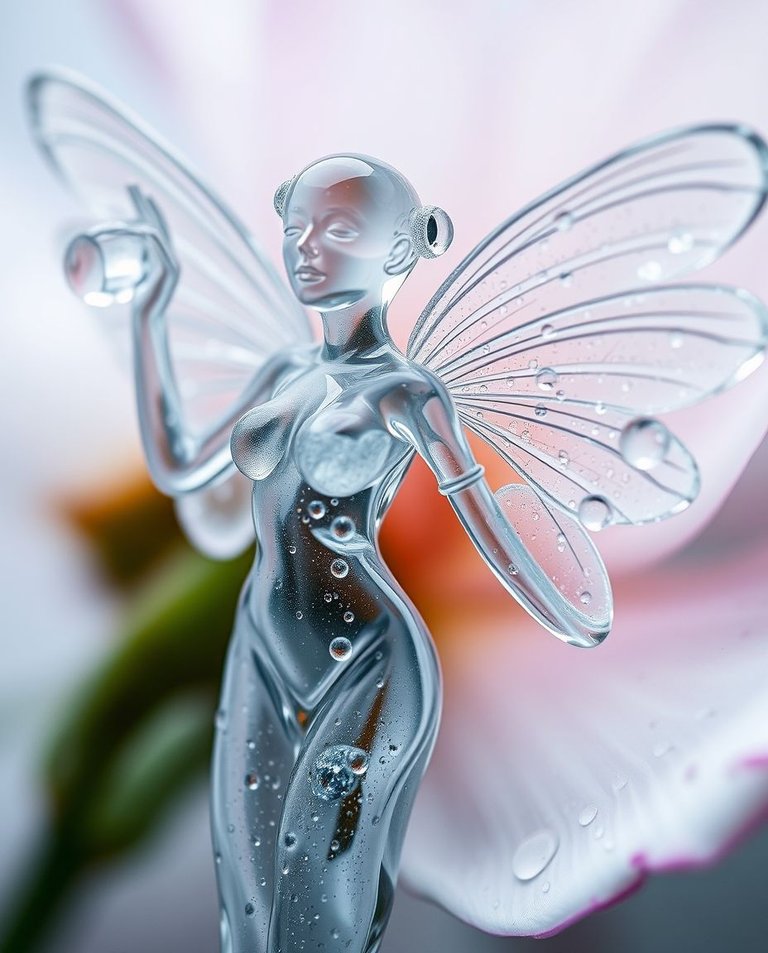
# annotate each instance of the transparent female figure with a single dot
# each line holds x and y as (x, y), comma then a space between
(553, 340)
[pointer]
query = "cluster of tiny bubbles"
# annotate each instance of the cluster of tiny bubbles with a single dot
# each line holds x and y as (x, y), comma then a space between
(337, 771)
(340, 648)
(546, 378)
(342, 528)
(534, 854)
(316, 509)
(339, 568)
(644, 443)
(595, 512)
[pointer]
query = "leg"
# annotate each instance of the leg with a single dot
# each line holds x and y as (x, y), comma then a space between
(254, 755)
(337, 856)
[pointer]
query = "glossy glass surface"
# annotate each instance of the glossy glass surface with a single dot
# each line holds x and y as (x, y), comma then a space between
(552, 340)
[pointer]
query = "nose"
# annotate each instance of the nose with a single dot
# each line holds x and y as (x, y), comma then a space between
(305, 245)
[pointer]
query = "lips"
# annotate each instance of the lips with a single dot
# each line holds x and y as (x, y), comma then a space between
(308, 274)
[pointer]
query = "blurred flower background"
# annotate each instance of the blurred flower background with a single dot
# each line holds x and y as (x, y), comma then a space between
(114, 631)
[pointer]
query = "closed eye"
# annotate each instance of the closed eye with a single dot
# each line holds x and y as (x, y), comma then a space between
(342, 232)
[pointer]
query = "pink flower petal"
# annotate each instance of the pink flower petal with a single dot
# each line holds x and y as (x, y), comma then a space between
(562, 777)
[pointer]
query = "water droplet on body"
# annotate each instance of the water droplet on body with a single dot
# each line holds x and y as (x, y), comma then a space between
(343, 528)
(340, 648)
(316, 509)
(339, 568)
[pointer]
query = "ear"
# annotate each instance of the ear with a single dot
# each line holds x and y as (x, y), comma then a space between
(402, 256)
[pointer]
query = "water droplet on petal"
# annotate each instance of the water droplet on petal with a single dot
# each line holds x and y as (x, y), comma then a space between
(587, 815)
(644, 443)
(252, 781)
(250, 910)
(340, 648)
(349, 616)
(595, 512)
(585, 598)
(540, 410)
(534, 854)
(290, 839)
(563, 221)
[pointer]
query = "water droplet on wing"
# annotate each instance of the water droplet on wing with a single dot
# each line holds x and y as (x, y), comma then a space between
(644, 443)
(595, 512)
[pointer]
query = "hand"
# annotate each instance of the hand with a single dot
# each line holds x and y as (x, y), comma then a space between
(117, 263)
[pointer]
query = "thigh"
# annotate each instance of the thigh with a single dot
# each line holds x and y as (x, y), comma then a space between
(347, 804)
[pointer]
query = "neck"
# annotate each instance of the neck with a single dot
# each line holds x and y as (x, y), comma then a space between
(356, 331)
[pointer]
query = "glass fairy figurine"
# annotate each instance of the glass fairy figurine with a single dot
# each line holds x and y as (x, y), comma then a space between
(557, 340)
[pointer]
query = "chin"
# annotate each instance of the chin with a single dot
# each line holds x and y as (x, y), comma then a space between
(329, 300)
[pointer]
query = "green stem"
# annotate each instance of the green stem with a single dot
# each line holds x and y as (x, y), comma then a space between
(34, 910)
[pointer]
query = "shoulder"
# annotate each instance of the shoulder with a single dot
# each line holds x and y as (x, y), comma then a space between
(411, 385)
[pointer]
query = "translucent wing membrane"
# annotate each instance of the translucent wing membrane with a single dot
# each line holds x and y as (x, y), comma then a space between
(557, 342)
(563, 550)
(230, 310)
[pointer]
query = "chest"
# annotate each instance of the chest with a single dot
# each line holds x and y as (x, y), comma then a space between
(329, 427)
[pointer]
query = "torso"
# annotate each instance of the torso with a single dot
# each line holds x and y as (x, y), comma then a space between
(324, 463)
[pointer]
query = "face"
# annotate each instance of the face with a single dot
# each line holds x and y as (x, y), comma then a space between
(342, 229)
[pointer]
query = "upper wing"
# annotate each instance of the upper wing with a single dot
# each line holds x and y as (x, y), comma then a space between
(230, 310)
(556, 341)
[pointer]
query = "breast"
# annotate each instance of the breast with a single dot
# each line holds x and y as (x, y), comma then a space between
(344, 448)
(261, 437)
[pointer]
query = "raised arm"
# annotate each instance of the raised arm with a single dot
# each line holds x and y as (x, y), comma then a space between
(423, 414)
(179, 460)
